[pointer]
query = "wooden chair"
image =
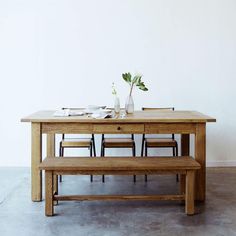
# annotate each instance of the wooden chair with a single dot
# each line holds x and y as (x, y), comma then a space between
(159, 142)
(77, 143)
(118, 143)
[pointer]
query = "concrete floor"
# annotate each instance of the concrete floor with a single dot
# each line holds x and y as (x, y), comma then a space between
(19, 216)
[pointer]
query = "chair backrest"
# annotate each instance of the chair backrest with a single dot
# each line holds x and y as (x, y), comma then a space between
(159, 109)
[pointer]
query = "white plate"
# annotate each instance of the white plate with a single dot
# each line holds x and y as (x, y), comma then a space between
(89, 111)
(106, 110)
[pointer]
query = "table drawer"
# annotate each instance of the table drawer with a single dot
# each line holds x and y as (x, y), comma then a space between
(67, 128)
(118, 128)
(175, 128)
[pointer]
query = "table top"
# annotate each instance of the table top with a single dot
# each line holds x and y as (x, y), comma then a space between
(160, 116)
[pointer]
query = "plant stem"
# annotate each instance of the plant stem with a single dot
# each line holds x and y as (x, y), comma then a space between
(131, 89)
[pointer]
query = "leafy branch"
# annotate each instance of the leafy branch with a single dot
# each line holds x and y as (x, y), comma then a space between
(114, 92)
(135, 81)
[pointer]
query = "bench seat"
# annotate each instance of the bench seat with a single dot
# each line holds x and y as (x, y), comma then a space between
(119, 166)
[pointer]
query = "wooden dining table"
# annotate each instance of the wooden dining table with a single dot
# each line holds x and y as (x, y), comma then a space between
(140, 122)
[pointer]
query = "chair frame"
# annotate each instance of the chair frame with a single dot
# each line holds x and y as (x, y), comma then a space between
(144, 148)
(103, 152)
(92, 146)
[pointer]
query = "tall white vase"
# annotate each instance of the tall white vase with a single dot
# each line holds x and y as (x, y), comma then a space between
(129, 105)
(117, 105)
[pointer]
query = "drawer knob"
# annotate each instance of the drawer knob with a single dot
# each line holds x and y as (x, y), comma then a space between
(119, 128)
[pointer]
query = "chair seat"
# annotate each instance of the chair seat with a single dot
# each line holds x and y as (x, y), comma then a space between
(76, 142)
(160, 142)
(118, 142)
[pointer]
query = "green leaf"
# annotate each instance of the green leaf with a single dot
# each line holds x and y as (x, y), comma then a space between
(139, 80)
(144, 89)
(142, 86)
(136, 79)
(127, 77)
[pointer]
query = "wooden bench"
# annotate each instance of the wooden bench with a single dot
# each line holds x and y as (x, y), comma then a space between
(119, 166)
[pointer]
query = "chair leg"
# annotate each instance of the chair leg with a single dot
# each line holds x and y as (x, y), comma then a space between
(91, 155)
(94, 150)
(176, 154)
(94, 147)
(134, 154)
(102, 150)
(142, 148)
(102, 155)
(146, 154)
(61, 155)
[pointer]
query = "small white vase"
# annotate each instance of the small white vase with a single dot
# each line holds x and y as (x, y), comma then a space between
(129, 105)
(117, 105)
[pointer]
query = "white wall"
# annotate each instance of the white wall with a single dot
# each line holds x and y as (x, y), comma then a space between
(68, 52)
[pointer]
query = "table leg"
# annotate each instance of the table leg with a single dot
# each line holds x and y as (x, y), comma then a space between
(184, 152)
(51, 153)
(200, 157)
(36, 159)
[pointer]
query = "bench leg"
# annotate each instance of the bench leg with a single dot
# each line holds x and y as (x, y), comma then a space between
(49, 193)
(51, 153)
(189, 193)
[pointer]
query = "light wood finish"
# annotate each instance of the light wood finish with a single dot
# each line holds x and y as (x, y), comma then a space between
(117, 165)
(160, 142)
(118, 142)
(189, 201)
(49, 193)
(136, 117)
(185, 140)
(78, 142)
(165, 122)
(174, 197)
(200, 157)
(117, 172)
(36, 158)
(67, 128)
(166, 128)
(118, 129)
(51, 145)
(148, 128)
(51, 153)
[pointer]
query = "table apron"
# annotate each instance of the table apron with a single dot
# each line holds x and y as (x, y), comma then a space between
(135, 128)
